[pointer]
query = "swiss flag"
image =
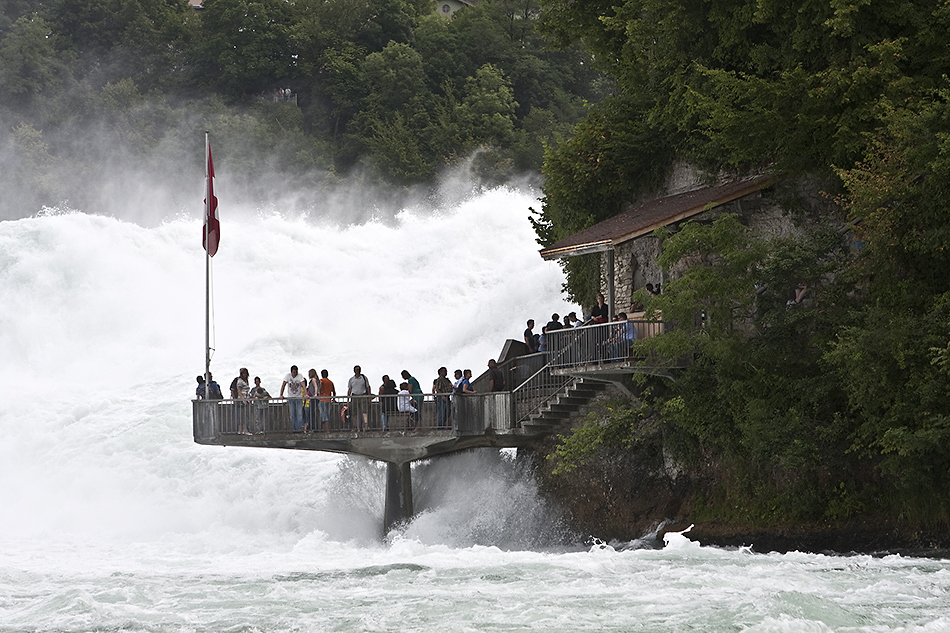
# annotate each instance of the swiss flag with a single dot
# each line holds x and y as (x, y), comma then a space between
(211, 231)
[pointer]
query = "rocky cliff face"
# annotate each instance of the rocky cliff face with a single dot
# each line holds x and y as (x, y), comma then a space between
(624, 494)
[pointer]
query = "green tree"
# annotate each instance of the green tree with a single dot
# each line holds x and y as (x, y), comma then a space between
(246, 44)
(757, 399)
(141, 37)
(488, 107)
(396, 112)
(614, 157)
(29, 63)
(897, 195)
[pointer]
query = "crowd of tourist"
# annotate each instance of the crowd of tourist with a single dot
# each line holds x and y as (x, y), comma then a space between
(309, 398)
(599, 313)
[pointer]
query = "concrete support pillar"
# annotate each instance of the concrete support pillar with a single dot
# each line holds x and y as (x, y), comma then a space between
(398, 494)
(611, 309)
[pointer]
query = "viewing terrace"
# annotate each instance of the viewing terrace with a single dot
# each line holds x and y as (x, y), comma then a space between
(545, 390)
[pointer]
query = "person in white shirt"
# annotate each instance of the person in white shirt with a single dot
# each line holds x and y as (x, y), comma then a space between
(359, 393)
(295, 384)
(405, 404)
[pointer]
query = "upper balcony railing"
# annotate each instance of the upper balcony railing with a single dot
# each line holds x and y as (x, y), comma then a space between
(595, 344)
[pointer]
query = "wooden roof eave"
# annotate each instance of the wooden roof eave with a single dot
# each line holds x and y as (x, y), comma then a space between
(579, 249)
(688, 213)
(603, 245)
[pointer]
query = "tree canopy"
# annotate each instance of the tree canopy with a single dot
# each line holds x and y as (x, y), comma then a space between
(822, 411)
(383, 85)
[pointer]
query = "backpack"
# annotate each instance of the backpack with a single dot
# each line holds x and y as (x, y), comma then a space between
(234, 388)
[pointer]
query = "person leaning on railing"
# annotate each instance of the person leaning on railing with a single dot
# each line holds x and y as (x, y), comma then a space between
(405, 404)
(414, 388)
(465, 386)
(623, 335)
(327, 393)
(213, 389)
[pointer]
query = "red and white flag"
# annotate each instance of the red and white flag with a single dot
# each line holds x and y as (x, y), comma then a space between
(211, 231)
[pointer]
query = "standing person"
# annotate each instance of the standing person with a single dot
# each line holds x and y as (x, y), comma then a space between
(457, 391)
(200, 390)
(466, 384)
(242, 393)
(294, 383)
(530, 340)
(554, 324)
(387, 399)
(260, 397)
(414, 388)
(313, 389)
(359, 393)
(598, 314)
(214, 389)
(443, 403)
(327, 393)
(496, 379)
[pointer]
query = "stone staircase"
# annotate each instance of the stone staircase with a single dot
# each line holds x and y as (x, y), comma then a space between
(554, 414)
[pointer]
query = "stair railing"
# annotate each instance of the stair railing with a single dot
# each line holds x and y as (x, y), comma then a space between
(542, 387)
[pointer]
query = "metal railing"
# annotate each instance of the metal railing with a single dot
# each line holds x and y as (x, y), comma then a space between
(534, 386)
(531, 395)
(515, 370)
(603, 343)
(358, 414)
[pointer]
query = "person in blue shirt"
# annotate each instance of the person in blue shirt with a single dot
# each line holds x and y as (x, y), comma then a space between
(214, 390)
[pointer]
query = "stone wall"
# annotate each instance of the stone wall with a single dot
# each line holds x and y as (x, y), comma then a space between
(781, 211)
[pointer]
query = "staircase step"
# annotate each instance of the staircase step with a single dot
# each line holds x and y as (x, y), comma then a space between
(562, 407)
(538, 429)
(591, 385)
(585, 395)
(555, 415)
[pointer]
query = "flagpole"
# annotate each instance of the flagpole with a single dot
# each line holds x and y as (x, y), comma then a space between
(207, 241)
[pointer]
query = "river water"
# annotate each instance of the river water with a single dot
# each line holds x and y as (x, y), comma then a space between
(112, 519)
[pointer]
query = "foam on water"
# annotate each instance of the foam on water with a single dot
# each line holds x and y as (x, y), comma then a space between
(111, 518)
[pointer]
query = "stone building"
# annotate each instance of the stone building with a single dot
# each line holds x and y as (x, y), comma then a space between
(629, 249)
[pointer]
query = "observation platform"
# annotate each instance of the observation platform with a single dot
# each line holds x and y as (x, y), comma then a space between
(548, 389)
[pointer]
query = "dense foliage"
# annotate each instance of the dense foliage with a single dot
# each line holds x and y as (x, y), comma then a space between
(384, 85)
(799, 86)
(823, 410)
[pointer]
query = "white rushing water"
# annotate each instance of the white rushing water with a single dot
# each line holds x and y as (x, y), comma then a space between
(112, 519)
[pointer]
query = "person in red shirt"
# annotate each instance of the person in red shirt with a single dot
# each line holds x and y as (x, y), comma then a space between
(327, 393)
